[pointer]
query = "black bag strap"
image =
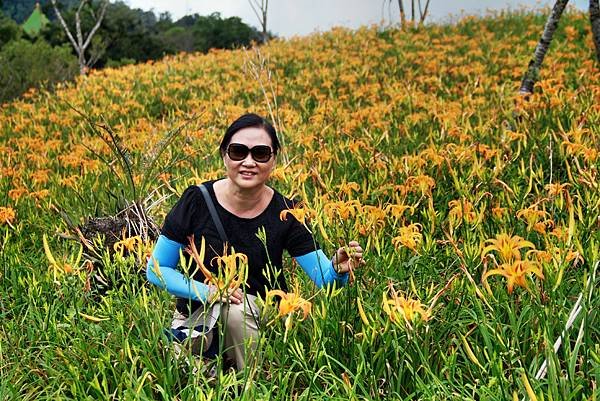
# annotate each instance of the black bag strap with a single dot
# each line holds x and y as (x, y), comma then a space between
(213, 213)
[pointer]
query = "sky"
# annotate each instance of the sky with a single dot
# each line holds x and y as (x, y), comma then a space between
(288, 18)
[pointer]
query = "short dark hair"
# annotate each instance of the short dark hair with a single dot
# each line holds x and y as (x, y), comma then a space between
(249, 120)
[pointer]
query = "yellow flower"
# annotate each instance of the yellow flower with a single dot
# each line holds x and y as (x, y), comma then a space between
(348, 188)
(7, 215)
(130, 244)
(461, 209)
(556, 189)
(291, 302)
(16, 193)
(299, 212)
(409, 236)
(403, 310)
(516, 273)
(344, 210)
(398, 210)
(422, 183)
(232, 269)
(498, 212)
(532, 216)
(507, 247)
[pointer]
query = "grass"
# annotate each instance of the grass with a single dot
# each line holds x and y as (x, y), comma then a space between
(384, 130)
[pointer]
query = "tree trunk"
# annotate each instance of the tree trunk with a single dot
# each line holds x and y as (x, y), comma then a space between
(264, 24)
(533, 69)
(402, 15)
(595, 22)
(260, 10)
(78, 40)
(424, 13)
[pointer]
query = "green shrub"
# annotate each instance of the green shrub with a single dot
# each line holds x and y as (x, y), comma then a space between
(25, 65)
(9, 30)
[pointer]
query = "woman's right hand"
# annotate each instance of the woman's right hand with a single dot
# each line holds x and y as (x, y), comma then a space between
(231, 296)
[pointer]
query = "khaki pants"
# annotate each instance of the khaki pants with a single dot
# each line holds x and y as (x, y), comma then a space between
(240, 325)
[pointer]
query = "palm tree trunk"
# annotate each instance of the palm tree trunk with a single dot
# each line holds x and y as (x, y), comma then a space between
(595, 21)
(533, 70)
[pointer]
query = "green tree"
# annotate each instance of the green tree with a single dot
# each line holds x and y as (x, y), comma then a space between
(130, 34)
(215, 32)
(9, 30)
(20, 10)
(24, 65)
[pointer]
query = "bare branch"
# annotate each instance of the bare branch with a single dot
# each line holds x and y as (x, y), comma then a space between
(260, 10)
(424, 14)
(65, 27)
(80, 45)
(402, 14)
(252, 4)
(78, 26)
(98, 22)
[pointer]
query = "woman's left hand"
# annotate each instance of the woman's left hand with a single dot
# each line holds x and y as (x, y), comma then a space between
(348, 258)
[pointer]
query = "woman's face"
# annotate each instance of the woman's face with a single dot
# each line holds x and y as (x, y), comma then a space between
(249, 173)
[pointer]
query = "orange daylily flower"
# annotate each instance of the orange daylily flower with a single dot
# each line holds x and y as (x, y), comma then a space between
(461, 209)
(344, 210)
(130, 244)
(291, 302)
(403, 310)
(422, 183)
(409, 236)
(508, 247)
(7, 215)
(232, 269)
(516, 273)
(300, 213)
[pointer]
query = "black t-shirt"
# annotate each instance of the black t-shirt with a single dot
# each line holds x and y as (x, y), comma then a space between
(191, 216)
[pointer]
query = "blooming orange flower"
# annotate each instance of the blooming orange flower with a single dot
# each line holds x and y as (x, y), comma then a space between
(232, 269)
(403, 311)
(290, 302)
(7, 215)
(409, 236)
(398, 210)
(508, 247)
(556, 189)
(516, 273)
(534, 219)
(499, 212)
(344, 210)
(130, 244)
(422, 183)
(461, 209)
(300, 213)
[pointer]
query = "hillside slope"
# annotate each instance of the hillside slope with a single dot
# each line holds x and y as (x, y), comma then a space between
(471, 201)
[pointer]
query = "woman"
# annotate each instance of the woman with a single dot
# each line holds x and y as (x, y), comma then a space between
(244, 204)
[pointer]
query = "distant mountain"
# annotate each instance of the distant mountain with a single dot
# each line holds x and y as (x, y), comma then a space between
(20, 10)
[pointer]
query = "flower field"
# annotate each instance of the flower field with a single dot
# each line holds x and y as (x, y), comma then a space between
(479, 211)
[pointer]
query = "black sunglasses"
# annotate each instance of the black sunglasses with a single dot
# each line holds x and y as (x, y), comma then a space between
(238, 152)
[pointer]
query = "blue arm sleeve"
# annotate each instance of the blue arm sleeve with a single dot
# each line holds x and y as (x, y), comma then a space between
(320, 269)
(167, 276)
